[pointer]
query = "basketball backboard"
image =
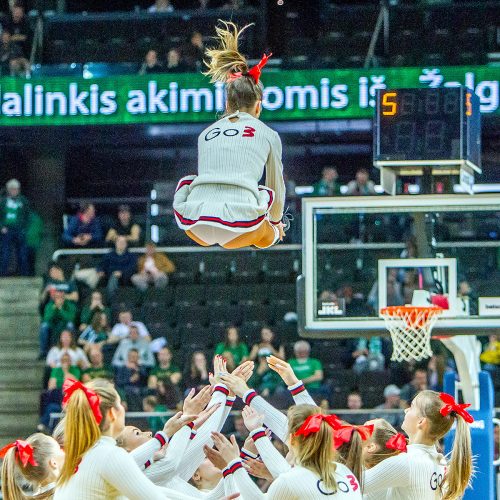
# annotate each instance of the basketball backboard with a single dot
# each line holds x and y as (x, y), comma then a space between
(362, 253)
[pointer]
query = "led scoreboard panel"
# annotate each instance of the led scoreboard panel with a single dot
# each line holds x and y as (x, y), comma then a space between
(427, 127)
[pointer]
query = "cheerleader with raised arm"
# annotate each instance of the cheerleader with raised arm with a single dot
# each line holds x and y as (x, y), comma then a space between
(317, 472)
(224, 204)
(94, 467)
(38, 461)
(422, 473)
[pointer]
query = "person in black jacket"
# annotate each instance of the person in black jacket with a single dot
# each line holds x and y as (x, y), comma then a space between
(14, 219)
(117, 266)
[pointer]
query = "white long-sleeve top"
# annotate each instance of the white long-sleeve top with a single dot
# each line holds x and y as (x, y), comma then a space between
(107, 472)
(300, 394)
(272, 458)
(232, 156)
(415, 475)
(297, 484)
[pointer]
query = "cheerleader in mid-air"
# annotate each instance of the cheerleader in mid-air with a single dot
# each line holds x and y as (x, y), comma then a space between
(224, 204)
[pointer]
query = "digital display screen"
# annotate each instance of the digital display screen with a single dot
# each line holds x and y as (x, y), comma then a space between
(422, 124)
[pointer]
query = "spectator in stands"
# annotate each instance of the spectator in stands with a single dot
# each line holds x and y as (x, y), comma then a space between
(168, 395)
(84, 229)
(267, 346)
(417, 384)
(466, 293)
(96, 305)
(307, 369)
(59, 314)
(490, 356)
(66, 345)
(153, 269)
(125, 226)
(60, 373)
(96, 333)
(117, 266)
(122, 329)
(361, 185)
(233, 349)
(196, 374)
(392, 402)
(14, 219)
(368, 355)
(12, 60)
(161, 6)
(55, 280)
(97, 368)
(151, 404)
(165, 370)
(151, 64)
(327, 185)
(266, 381)
(130, 380)
(240, 431)
(193, 51)
(175, 64)
(17, 24)
(435, 372)
(134, 341)
(355, 402)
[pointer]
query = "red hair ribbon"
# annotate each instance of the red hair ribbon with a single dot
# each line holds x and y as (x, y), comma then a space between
(343, 434)
(255, 72)
(24, 451)
(397, 442)
(450, 405)
(312, 424)
(71, 385)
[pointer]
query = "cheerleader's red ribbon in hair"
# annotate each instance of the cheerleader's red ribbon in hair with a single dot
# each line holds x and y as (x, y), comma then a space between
(451, 406)
(343, 434)
(397, 442)
(254, 72)
(312, 424)
(70, 386)
(23, 449)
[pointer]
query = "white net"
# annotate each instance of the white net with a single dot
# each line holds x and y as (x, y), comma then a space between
(410, 329)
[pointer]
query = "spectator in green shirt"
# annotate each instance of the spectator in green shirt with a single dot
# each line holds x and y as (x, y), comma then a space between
(327, 185)
(55, 280)
(59, 314)
(265, 380)
(96, 305)
(14, 218)
(59, 374)
(34, 236)
(232, 349)
(97, 367)
(150, 404)
(96, 333)
(307, 369)
(165, 370)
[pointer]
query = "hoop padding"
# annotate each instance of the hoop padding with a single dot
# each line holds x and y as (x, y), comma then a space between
(410, 329)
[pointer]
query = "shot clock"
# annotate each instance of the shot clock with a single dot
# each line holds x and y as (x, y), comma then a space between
(422, 131)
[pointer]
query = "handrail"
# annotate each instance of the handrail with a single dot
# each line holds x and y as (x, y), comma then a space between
(101, 251)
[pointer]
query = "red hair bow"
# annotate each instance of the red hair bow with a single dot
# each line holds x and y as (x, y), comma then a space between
(312, 424)
(343, 434)
(24, 451)
(70, 386)
(254, 72)
(450, 405)
(397, 442)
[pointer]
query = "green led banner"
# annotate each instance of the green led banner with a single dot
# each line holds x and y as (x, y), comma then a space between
(188, 98)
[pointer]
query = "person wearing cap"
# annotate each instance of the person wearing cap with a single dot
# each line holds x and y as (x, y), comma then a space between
(392, 396)
(14, 220)
(125, 226)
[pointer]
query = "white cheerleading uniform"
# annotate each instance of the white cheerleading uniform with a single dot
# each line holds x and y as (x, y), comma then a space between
(107, 472)
(415, 475)
(298, 483)
(225, 200)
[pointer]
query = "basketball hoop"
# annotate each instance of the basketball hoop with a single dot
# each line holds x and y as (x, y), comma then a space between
(410, 328)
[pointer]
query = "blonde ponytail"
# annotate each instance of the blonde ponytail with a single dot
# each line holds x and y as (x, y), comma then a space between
(316, 451)
(80, 427)
(225, 60)
(44, 447)
(351, 455)
(382, 432)
(460, 467)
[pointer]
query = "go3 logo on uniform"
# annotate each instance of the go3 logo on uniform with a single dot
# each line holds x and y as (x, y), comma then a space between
(230, 132)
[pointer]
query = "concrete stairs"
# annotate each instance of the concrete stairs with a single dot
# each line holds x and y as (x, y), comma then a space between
(20, 373)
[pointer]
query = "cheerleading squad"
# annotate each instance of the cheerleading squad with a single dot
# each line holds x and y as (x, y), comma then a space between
(94, 456)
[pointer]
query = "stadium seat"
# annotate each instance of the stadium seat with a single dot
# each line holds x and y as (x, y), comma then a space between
(221, 294)
(192, 314)
(189, 294)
